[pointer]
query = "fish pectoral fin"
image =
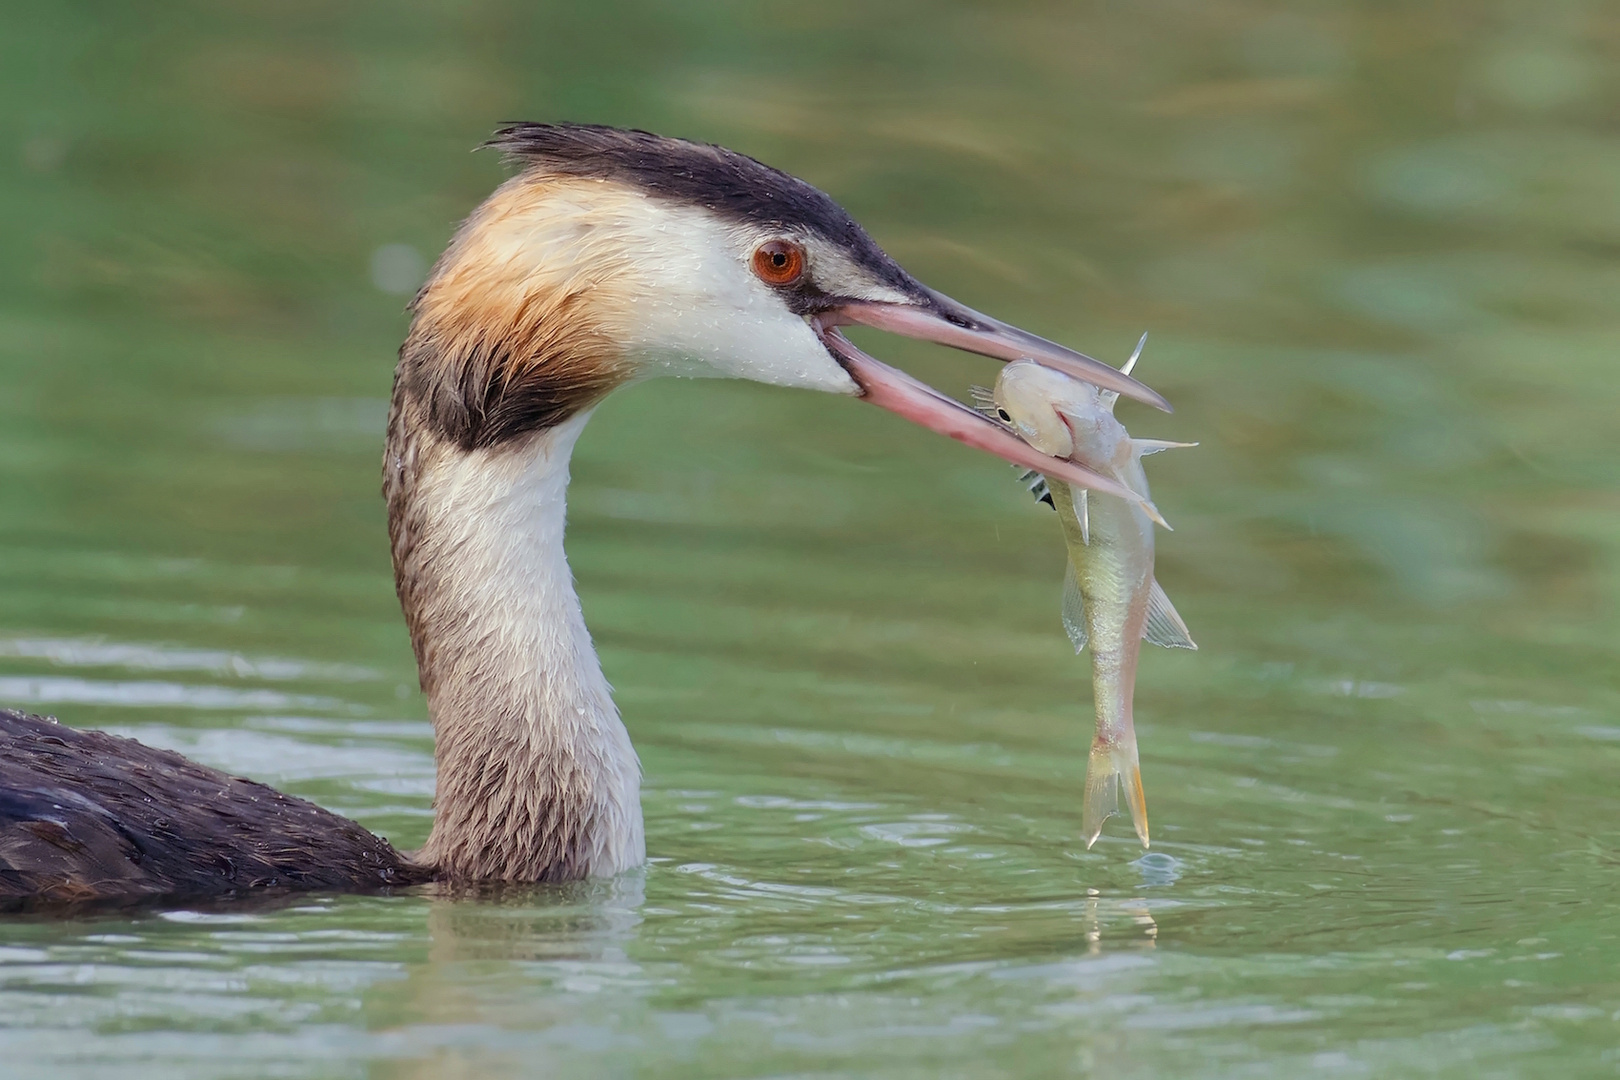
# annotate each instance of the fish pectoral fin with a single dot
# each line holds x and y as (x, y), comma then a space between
(1082, 510)
(1164, 625)
(1144, 447)
(1074, 609)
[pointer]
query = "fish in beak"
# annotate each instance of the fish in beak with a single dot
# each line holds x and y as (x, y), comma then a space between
(943, 321)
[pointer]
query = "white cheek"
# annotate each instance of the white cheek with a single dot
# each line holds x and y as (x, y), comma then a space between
(836, 274)
(706, 315)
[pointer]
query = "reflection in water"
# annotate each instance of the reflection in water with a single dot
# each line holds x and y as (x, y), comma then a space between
(579, 922)
(471, 1006)
(1141, 931)
(81, 652)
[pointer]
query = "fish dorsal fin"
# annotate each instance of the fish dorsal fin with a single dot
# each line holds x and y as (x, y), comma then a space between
(1110, 398)
(1144, 447)
(1074, 609)
(1163, 625)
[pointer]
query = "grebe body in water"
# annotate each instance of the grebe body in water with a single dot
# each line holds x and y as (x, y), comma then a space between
(86, 816)
(611, 256)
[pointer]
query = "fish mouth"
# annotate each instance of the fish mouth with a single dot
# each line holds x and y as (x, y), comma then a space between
(899, 393)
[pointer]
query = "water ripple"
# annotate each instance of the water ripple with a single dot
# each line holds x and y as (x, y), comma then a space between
(48, 690)
(95, 652)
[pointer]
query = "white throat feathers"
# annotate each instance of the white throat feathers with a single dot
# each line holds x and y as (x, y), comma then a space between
(537, 779)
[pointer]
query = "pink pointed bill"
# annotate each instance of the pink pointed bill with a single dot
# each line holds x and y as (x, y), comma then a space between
(894, 390)
(942, 320)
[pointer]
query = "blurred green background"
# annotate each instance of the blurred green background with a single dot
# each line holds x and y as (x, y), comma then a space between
(1378, 250)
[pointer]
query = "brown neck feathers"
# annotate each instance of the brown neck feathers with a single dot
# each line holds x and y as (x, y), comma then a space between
(507, 336)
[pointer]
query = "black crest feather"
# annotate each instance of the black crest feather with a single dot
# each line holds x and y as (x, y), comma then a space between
(699, 174)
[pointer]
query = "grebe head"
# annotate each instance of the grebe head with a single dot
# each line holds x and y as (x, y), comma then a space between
(617, 255)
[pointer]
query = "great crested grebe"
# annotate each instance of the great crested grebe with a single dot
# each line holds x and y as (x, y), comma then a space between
(610, 256)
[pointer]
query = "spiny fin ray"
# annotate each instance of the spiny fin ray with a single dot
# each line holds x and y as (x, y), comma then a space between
(1144, 447)
(1140, 345)
(1036, 482)
(1110, 398)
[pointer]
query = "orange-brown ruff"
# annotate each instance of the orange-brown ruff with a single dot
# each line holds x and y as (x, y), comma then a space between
(506, 337)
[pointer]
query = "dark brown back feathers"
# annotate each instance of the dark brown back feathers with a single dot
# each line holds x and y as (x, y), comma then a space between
(87, 817)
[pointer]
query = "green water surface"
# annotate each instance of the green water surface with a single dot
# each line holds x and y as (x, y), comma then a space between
(1378, 249)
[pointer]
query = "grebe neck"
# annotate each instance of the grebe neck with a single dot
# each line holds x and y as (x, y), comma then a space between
(537, 779)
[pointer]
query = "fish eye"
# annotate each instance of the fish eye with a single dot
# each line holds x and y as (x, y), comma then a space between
(1006, 417)
(779, 262)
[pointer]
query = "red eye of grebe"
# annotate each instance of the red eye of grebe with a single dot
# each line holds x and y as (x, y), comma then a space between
(779, 262)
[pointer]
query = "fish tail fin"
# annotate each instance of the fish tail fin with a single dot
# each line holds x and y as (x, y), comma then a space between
(1113, 766)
